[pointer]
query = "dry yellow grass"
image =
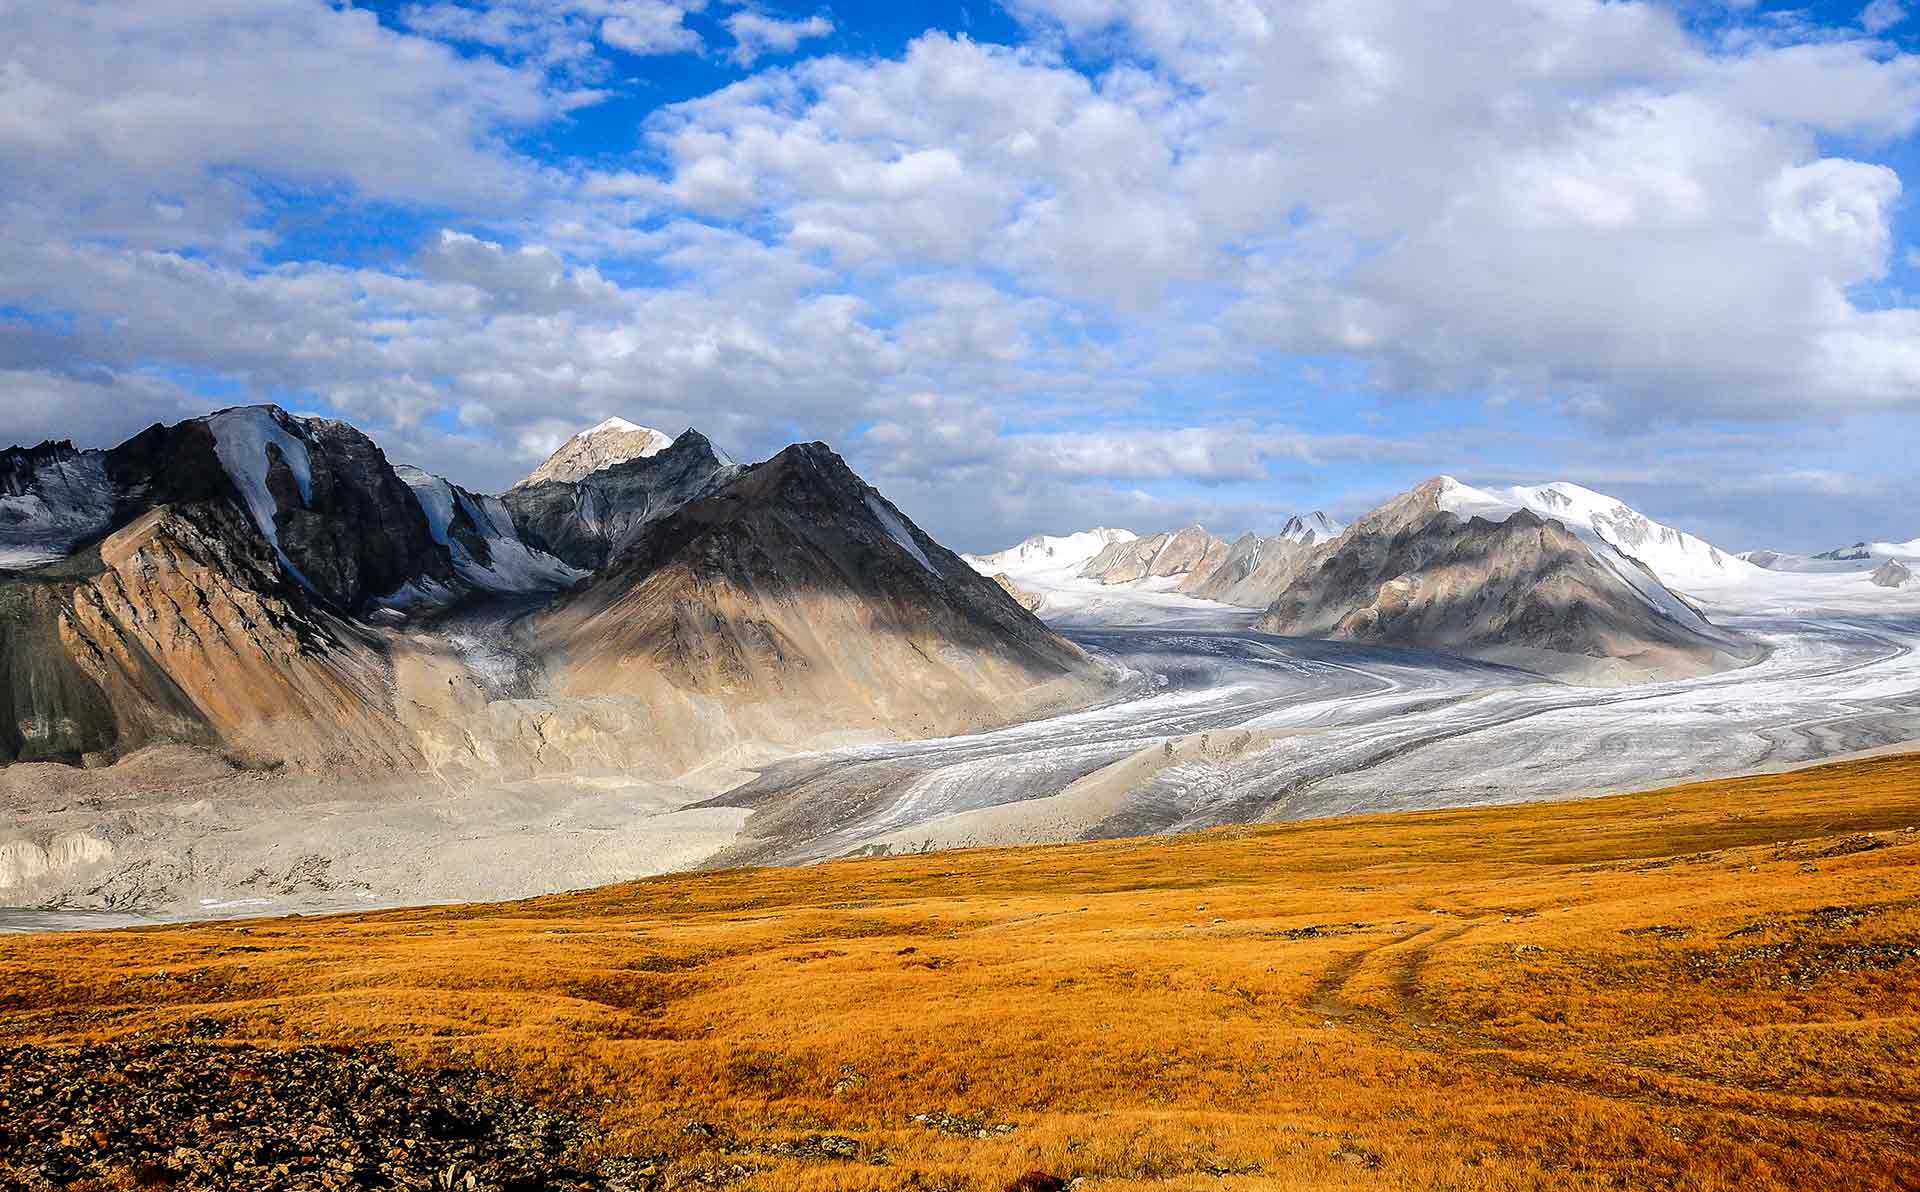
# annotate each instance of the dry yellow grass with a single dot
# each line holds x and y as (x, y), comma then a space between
(1710, 987)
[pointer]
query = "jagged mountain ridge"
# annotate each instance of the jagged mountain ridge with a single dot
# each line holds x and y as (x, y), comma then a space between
(1248, 572)
(271, 588)
(588, 522)
(320, 494)
(1171, 554)
(1678, 559)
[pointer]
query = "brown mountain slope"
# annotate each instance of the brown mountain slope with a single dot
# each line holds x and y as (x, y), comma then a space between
(1524, 591)
(179, 628)
(235, 603)
(1189, 553)
(797, 600)
(1253, 571)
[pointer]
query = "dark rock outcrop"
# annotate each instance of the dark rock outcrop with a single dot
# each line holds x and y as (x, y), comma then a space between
(588, 522)
(199, 1115)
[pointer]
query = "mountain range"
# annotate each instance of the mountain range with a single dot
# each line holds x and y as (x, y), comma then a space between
(1555, 578)
(271, 588)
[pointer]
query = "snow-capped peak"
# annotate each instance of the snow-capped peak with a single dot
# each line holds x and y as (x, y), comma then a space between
(1311, 528)
(241, 437)
(1063, 553)
(51, 497)
(616, 424)
(615, 441)
(1680, 559)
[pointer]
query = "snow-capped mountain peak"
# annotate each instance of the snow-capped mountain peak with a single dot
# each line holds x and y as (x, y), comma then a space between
(614, 424)
(1678, 558)
(51, 497)
(1310, 529)
(1063, 553)
(614, 441)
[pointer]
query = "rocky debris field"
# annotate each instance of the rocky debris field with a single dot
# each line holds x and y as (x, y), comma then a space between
(197, 1114)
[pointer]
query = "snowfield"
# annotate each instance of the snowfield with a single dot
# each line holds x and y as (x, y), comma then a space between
(1224, 725)
(71, 501)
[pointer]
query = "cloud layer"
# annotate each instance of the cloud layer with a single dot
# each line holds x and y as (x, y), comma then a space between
(1210, 259)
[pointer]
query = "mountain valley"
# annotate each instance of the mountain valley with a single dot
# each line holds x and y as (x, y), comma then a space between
(250, 664)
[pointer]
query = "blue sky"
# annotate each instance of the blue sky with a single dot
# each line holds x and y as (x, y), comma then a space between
(1031, 266)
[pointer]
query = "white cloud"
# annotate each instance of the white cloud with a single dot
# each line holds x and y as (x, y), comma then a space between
(149, 123)
(95, 407)
(528, 280)
(561, 32)
(973, 262)
(756, 34)
(1882, 15)
(649, 27)
(1577, 200)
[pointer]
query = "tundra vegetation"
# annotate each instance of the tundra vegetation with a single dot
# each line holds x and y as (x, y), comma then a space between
(1713, 986)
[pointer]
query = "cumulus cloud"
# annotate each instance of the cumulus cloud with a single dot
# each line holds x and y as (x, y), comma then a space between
(1629, 222)
(561, 32)
(983, 267)
(153, 123)
(1882, 15)
(94, 407)
(756, 34)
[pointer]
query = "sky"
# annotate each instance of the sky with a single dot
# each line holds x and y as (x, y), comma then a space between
(1030, 266)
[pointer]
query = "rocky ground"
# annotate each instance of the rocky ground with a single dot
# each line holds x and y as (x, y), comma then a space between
(197, 1114)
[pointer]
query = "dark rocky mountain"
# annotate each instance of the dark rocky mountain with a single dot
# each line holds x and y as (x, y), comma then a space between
(798, 588)
(1858, 552)
(587, 522)
(320, 492)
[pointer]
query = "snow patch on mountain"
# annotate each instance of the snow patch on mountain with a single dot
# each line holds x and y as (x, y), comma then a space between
(617, 424)
(1822, 564)
(897, 530)
(1048, 553)
(1605, 525)
(69, 500)
(240, 439)
(1311, 529)
(1679, 559)
(511, 565)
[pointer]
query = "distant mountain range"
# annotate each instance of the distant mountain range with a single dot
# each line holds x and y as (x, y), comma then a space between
(1245, 571)
(1555, 578)
(270, 587)
(1887, 564)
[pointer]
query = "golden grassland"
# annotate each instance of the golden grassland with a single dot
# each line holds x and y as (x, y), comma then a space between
(1714, 986)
